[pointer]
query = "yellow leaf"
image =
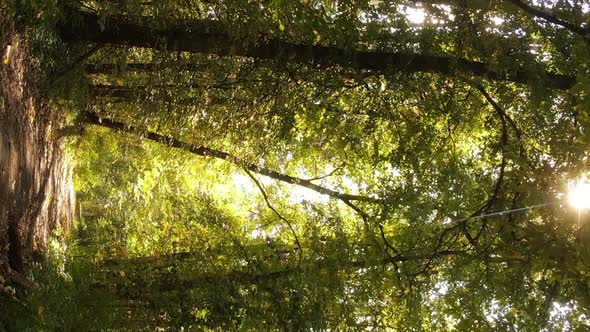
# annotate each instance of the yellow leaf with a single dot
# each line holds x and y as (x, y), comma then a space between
(317, 35)
(281, 26)
(40, 311)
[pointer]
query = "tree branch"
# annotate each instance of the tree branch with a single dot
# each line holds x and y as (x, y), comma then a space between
(204, 151)
(58, 76)
(329, 174)
(503, 142)
(280, 216)
(552, 18)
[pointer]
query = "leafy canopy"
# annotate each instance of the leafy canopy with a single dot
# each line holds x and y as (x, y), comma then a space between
(321, 165)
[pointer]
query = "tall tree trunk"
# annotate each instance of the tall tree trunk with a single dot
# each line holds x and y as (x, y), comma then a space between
(210, 37)
(244, 276)
(166, 91)
(112, 68)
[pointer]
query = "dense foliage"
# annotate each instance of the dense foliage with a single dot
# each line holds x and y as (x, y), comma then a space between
(327, 165)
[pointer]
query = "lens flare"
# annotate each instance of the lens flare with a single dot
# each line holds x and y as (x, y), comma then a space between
(579, 194)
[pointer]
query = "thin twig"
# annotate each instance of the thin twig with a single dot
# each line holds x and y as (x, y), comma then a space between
(280, 216)
(329, 174)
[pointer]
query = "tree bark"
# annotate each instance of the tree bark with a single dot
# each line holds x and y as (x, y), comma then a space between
(209, 37)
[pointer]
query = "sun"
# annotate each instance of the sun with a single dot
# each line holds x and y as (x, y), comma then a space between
(579, 194)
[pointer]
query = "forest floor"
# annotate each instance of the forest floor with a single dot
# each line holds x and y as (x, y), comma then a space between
(36, 191)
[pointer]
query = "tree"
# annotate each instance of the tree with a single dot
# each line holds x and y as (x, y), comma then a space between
(207, 36)
(420, 135)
